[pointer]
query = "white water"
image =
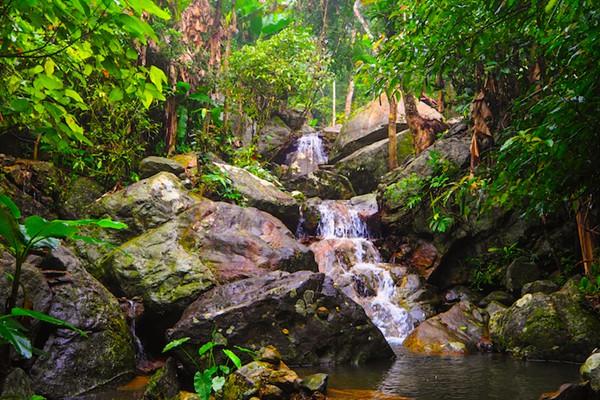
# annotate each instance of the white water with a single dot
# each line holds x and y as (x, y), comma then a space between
(346, 254)
(310, 153)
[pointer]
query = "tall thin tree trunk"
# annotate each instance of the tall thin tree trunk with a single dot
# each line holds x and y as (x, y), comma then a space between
(171, 124)
(392, 142)
(362, 19)
(586, 239)
(349, 98)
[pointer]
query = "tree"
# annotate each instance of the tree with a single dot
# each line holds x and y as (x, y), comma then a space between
(56, 58)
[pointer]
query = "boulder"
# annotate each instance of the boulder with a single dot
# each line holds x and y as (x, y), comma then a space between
(460, 330)
(543, 286)
(164, 384)
(263, 195)
(303, 314)
(274, 139)
(35, 186)
(17, 386)
(520, 272)
(170, 266)
(145, 204)
(498, 296)
(263, 380)
(70, 364)
(152, 165)
(315, 383)
(590, 371)
(365, 167)
(321, 183)
(370, 125)
(78, 196)
(547, 326)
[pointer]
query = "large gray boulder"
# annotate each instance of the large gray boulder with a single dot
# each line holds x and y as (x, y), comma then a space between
(146, 204)
(547, 326)
(302, 314)
(212, 242)
(263, 194)
(365, 167)
(70, 364)
(322, 183)
(370, 125)
(153, 165)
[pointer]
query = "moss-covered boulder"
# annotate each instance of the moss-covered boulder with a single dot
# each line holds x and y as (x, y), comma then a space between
(302, 314)
(153, 165)
(164, 384)
(16, 386)
(547, 326)
(321, 183)
(70, 364)
(145, 204)
(212, 242)
(78, 196)
(460, 330)
(365, 167)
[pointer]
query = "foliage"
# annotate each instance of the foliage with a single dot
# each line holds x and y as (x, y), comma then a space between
(488, 270)
(35, 232)
(212, 377)
(285, 70)
(591, 285)
(216, 181)
(537, 64)
(55, 57)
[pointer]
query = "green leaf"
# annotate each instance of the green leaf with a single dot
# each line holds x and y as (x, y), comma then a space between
(19, 105)
(234, 358)
(206, 347)
(157, 76)
(217, 383)
(22, 312)
(150, 7)
(9, 229)
(74, 95)
(14, 333)
(175, 343)
(49, 66)
(202, 385)
(37, 228)
(12, 207)
(115, 95)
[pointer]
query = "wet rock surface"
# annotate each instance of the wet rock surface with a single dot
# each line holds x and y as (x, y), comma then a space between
(460, 330)
(547, 326)
(302, 314)
(153, 165)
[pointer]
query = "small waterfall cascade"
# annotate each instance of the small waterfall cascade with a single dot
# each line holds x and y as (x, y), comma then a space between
(133, 309)
(346, 254)
(309, 154)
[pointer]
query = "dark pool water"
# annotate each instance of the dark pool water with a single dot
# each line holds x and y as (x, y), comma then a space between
(475, 377)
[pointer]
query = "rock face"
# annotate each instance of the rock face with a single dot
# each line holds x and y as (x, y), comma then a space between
(370, 125)
(79, 195)
(547, 327)
(302, 314)
(153, 165)
(211, 242)
(71, 364)
(263, 195)
(17, 386)
(146, 204)
(274, 138)
(321, 183)
(590, 370)
(365, 167)
(519, 273)
(460, 330)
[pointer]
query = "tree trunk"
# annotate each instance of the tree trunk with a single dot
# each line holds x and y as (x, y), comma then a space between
(423, 131)
(361, 19)
(171, 124)
(392, 145)
(349, 98)
(586, 239)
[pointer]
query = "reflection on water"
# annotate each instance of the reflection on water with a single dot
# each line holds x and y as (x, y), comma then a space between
(481, 376)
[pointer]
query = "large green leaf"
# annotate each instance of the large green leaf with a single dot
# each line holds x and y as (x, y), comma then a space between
(14, 333)
(9, 229)
(12, 207)
(22, 312)
(205, 348)
(233, 357)
(202, 385)
(175, 343)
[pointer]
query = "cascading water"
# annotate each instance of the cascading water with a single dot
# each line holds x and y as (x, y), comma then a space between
(310, 153)
(345, 252)
(349, 257)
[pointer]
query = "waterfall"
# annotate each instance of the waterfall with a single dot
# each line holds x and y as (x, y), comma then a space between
(346, 254)
(309, 154)
(133, 309)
